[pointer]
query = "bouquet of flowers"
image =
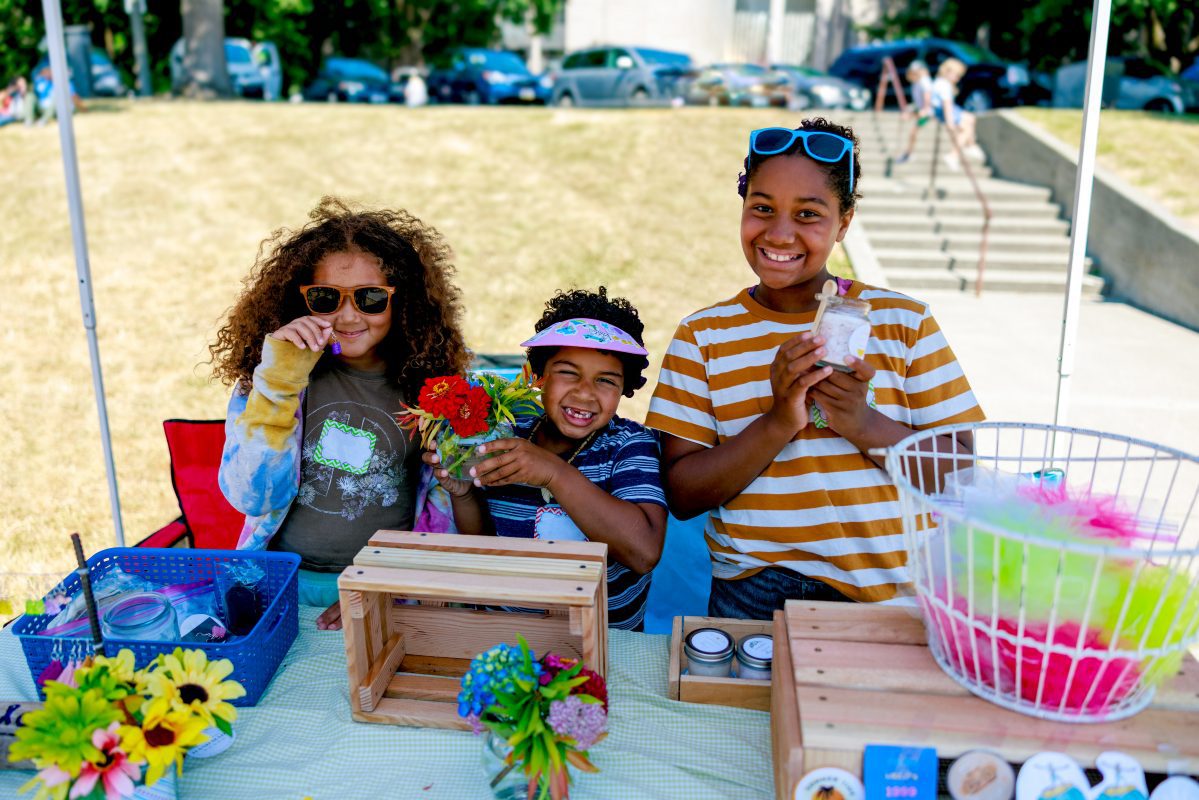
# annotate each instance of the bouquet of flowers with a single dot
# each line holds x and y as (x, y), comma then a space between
(549, 711)
(458, 414)
(104, 722)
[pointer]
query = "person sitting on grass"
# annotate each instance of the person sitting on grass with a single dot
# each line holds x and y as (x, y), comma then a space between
(577, 471)
(778, 447)
(313, 455)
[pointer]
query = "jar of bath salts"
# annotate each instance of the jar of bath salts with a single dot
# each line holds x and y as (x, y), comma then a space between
(755, 655)
(845, 326)
(709, 652)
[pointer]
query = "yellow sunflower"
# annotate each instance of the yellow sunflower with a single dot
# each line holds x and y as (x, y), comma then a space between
(161, 741)
(187, 681)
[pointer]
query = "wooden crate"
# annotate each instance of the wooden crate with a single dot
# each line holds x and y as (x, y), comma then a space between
(716, 691)
(848, 675)
(405, 660)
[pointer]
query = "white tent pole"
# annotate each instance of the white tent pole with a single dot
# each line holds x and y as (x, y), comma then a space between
(1081, 218)
(52, 10)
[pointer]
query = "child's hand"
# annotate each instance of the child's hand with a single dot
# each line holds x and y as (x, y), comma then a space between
(843, 398)
(792, 373)
(516, 461)
(454, 486)
(311, 333)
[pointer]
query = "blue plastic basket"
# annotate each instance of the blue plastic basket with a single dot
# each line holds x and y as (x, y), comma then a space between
(255, 656)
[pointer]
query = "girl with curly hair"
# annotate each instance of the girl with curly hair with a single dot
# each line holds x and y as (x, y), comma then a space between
(339, 323)
(578, 471)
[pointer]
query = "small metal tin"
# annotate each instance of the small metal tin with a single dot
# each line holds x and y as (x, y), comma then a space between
(709, 652)
(755, 655)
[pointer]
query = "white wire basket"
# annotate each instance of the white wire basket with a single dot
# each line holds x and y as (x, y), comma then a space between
(1057, 569)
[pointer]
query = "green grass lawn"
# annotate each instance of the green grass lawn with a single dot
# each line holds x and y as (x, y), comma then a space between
(178, 196)
(1156, 152)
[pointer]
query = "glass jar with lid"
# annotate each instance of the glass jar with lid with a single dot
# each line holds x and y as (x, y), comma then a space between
(755, 656)
(143, 616)
(845, 325)
(709, 652)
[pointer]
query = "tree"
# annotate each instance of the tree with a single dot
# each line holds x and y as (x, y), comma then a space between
(205, 73)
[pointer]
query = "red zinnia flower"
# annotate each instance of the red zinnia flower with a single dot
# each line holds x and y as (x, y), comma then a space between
(470, 418)
(442, 397)
(595, 686)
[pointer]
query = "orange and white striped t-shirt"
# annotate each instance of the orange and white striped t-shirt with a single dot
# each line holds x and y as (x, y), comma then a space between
(822, 508)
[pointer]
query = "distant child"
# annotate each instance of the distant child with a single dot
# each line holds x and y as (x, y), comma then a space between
(922, 103)
(578, 471)
(775, 446)
(945, 107)
(340, 322)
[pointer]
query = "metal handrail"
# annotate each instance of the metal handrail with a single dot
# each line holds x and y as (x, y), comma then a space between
(889, 74)
(978, 193)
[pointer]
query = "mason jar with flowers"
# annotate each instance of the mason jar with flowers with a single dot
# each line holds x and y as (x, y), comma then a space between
(458, 414)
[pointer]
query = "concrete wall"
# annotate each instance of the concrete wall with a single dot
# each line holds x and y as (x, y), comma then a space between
(1147, 256)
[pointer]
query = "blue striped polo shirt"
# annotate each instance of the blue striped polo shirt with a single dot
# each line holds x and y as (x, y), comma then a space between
(623, 460)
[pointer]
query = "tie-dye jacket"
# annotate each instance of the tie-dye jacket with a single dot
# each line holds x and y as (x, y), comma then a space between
(264, 435)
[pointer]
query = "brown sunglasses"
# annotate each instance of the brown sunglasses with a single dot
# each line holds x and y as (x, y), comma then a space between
(370, 300)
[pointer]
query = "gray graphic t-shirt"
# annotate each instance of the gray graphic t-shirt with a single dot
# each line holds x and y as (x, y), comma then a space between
(358, 470)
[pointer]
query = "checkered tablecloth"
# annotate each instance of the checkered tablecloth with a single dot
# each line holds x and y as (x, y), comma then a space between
(299, 741)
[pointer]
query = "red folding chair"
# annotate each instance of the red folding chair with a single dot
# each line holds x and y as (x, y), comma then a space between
(207, 520)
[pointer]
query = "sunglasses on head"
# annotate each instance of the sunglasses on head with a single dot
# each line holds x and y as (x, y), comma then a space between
(369, 300)
(819, 145)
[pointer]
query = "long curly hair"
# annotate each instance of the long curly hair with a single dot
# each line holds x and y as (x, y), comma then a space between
(593, 305)
(425, 339)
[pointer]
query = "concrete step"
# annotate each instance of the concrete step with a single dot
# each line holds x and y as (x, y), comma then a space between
(878, 223)
(1045, 244)
(933, 259)
(920, 170)
(1023, 209)
(955, 187)
(994, 280)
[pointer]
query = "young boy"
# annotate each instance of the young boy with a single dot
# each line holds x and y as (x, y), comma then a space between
(776, 446)
(578, 471)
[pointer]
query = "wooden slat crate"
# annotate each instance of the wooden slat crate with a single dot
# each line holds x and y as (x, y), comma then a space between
(405, 660)
(715, 691)
(847, 675)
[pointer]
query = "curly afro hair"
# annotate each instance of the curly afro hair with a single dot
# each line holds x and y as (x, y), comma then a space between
(425, 339)
(594, 305)
(838, 174)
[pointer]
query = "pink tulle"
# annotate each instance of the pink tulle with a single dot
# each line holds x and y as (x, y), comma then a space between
(1096, 685)
(1100, 516)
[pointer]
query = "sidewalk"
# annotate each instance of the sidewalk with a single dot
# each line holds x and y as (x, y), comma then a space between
(1135, 374)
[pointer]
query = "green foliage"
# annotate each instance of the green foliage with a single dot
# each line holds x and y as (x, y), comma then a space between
(1050, 33)
(388, 32)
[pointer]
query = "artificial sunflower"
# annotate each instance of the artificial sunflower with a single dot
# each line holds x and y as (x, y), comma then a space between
(61, 732)
(187, 680)
(162, 740)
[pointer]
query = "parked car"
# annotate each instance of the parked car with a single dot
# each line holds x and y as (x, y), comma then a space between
(812, 88)
(739, 85)
(1142, 85)
(990, 81)
(621, 76)
(474, 75)
(350, 80)
(254, 68)
(107, 80)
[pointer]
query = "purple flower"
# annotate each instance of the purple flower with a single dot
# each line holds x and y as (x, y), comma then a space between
(573, 718)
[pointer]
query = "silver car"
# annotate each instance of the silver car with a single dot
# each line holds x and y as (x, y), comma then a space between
(620, 76)
(816, 89)
(1142, 85)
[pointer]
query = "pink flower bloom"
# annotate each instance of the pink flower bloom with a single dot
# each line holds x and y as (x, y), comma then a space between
(53, 776)
(575, 719)
(115, 772)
